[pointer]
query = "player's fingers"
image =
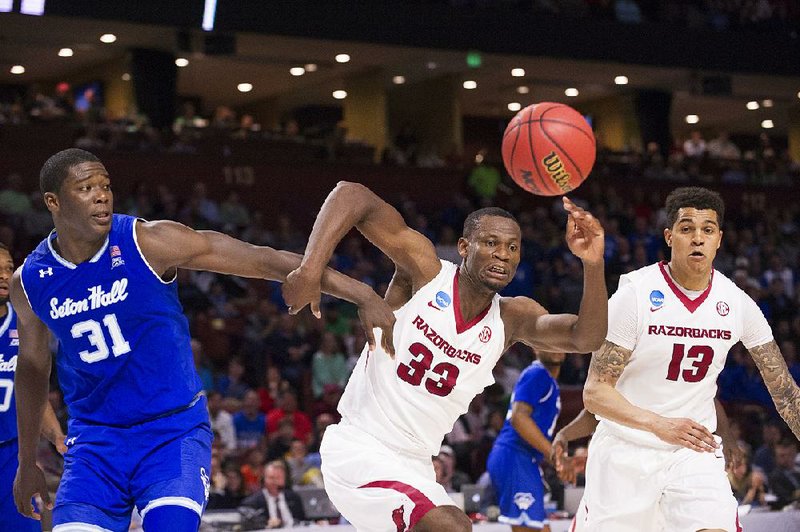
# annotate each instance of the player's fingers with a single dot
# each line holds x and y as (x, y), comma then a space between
(25, 507)
(388, 340)
(370, 336)
(45, 495)
(315, 309)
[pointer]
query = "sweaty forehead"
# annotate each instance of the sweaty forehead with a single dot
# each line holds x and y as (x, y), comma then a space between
(498, 225)
(697, 215)
(86, 170)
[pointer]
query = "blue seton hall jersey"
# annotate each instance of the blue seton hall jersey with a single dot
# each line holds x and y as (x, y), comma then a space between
(9, 345)
(540, 390)
(123, 340)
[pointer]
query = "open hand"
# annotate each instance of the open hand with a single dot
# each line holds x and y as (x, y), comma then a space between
(734, 455)
(30, 481)
(301, 288)
(585, 235)
(564, 464)
(685, 432)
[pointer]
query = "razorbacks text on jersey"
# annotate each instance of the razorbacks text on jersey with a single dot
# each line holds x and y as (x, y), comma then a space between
(441, 363)
(540, 390)
(679, 344)
(9, 345)
(123, 341)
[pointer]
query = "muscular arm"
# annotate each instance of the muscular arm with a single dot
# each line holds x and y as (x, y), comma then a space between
(582, 426)
(602, 398)
(31, 385)
(784, 391)
(51, 429)
(527, 428)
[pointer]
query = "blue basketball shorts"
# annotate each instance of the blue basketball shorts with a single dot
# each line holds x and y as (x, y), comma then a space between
(10, 519)
(517, 480)
(109, 470)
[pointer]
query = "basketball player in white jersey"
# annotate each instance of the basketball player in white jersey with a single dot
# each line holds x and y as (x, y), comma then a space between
(451, 328)
(653, 383)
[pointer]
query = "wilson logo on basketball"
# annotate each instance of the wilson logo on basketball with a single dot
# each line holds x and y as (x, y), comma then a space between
(723, 308)
(485, 335)
(552, 163)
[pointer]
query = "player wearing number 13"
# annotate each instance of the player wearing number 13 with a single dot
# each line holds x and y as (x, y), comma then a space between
(451, 328)
(104, 284)
(653, 383)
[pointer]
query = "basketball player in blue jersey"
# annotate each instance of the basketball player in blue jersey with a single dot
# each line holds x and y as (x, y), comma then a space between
(10, 519)
(451, 329)
(104, 284)
(524, 443)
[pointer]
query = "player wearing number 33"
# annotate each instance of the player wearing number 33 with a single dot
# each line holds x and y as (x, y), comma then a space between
(653, 383)
(104, 284)
(451, 328)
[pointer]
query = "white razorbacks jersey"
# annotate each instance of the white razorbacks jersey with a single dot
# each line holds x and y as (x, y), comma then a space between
(441, 363)
(679, 344)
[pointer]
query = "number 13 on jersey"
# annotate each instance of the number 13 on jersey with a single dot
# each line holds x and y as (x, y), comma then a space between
(701, 355)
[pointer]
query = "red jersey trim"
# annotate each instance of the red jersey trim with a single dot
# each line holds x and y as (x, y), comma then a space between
(461, 325)
(690, 304)
(422, 504)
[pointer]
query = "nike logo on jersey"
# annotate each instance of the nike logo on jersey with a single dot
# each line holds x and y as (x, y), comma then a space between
(430, 304)
(653, 309)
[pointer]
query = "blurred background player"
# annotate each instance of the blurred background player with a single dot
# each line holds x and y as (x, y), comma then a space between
(654, 380)
(525, 442)
(451, 328)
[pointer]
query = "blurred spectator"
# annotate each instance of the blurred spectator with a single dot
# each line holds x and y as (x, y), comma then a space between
(721, 147)
(221, 422)
(252, 470)
(275, 505)
(748, 485)
(695, 146)
(233, 214)
(250, 423)
(231, 384)
(202, 366)
(328, 365)
(288, 409)
(784, 481)
(227, 492)
(484, 179)
(302, 469)
(187, 119)
(627, 12)
(452, 477)
(764, 457)
(13, 201)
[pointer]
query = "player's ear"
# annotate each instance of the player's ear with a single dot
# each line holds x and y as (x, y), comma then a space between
(719, 242)
(50, 201)
(463, 244)
(668, 237)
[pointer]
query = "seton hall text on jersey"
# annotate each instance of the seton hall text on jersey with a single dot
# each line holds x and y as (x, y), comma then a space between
(443, 345)
(8, 365)
(97, 298)
(688, 332)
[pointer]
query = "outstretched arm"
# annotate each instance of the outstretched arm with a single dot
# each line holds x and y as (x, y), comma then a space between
(217, 252)
(602, 398)
(31, 386)
(779, 381)
(353, 205)
(585, 332)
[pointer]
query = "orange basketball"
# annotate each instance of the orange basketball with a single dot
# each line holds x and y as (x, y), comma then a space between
(548, 148)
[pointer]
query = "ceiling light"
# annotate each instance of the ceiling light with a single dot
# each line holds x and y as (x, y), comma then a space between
(767, 103)
(340, 94)
(470, 84)
(692, 119)
(798, 94)
(297, 71)
(522, 89)
(518, 72)
(514, 106)
(398, 80)
(433, 66)
(245, 87)
(108, 38)
(752, 105)
(767, 124)
(310, 67)
(181, 62)
(571, 92)
(126, 77)
(621, 80)
(17, 69)
(65, 52)
(342, 58)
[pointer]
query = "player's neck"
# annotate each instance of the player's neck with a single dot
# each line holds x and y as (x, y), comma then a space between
(553, 370)
(75, 250)
(473, 296)
(3, 310)
(688, 279)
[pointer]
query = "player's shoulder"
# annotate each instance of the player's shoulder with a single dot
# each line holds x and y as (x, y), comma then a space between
(725, 285)
(517, 307)
(641, 276)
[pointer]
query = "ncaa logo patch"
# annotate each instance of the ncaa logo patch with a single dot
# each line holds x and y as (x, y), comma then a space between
(722, 308)
(485, 335)
(442, 299)
(656, 300)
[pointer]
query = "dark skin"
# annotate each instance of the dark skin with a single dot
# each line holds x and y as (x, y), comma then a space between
(82, 213)
(490, 256)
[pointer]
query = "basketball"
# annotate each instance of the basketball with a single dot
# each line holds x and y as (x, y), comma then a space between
(548, 148)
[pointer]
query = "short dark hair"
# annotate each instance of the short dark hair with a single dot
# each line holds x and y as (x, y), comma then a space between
(56, 168)
(474, 219)
(696, 197)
